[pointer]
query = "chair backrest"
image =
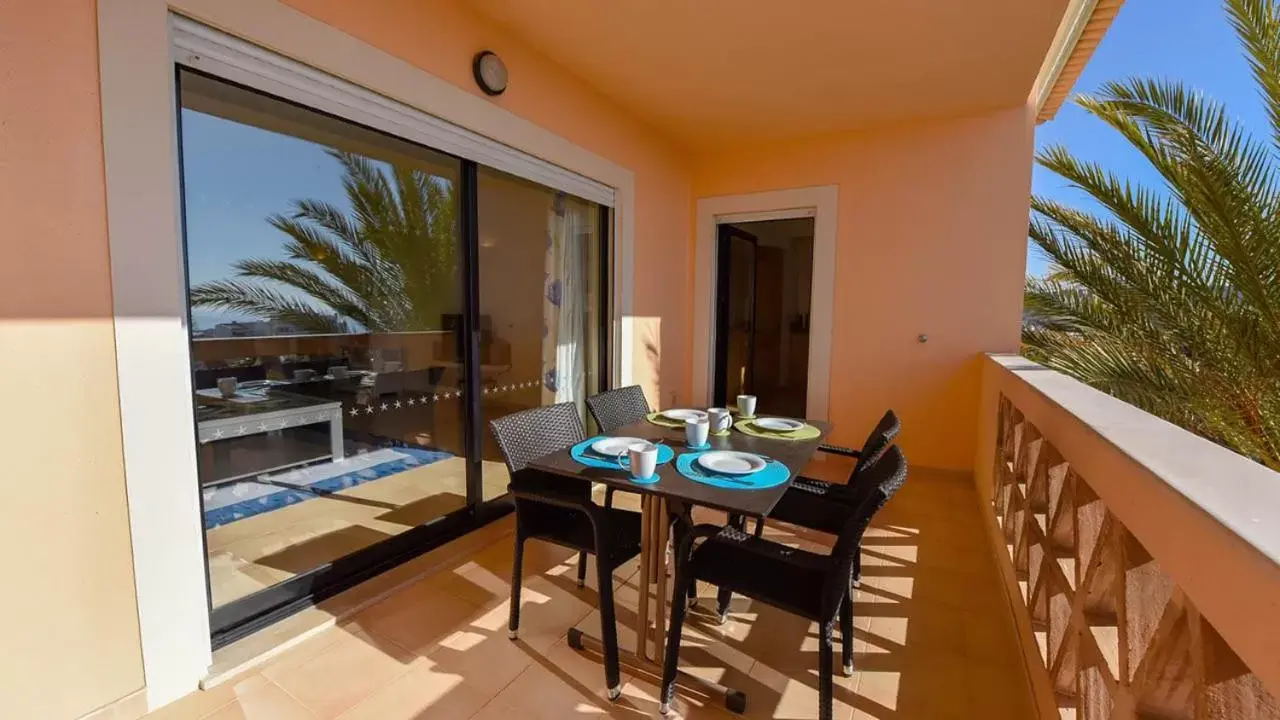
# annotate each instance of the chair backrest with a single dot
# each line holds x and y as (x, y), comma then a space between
(885, 432)
(529, 434)
(880, 481)
(619, 407)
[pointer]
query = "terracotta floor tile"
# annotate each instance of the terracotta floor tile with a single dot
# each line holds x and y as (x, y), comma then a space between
(266, 702)
(495, 710)
(416, 618)
(934, 639)
(346, 672)
(201, 703)
(425, 691)
(560, 685)
(488, 660)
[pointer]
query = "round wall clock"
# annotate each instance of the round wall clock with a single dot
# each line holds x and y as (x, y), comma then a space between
(490, 72)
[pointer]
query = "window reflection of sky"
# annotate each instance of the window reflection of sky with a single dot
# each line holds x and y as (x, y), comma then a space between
(235, 176)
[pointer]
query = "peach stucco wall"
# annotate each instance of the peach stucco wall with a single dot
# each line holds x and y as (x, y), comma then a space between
(441, 37)
(70, 641)
(931, 240)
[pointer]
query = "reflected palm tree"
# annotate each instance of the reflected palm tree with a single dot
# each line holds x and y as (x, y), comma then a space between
(389, 266)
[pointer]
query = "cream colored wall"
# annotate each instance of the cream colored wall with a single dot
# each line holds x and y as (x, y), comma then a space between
(442, 36)
(70, 640)
(931, 240)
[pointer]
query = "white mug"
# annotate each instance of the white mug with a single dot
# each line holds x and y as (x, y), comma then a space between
(695, 431)
(227, 386)
(747, 405)
(720, 419)
(644, 460)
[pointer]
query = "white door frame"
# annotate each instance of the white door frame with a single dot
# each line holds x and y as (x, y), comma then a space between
(149, 293)
(819, 203)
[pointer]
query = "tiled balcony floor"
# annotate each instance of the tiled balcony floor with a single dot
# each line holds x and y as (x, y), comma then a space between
(934, 637)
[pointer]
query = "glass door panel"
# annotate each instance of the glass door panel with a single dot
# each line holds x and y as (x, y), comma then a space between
(541, 303)
(735, 314)
(323, 265)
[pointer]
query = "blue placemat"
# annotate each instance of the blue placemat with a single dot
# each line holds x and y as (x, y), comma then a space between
(582, 453)
(775, 473)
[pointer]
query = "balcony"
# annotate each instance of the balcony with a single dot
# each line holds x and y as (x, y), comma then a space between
(1095, 569)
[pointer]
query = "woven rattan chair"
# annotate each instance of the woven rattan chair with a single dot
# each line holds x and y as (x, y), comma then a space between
(615, 408)
(821, 505)
(885, 432)
(560, 510)
(808, 584)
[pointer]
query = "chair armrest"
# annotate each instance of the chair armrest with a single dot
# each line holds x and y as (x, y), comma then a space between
(570, 501)
(686, 539)
(839, 450)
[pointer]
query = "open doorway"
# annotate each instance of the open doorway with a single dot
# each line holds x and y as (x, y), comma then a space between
(764, 279)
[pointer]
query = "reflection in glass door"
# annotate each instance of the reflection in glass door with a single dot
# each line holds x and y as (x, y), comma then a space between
(323, 268)
(359, 306)
(540, 303)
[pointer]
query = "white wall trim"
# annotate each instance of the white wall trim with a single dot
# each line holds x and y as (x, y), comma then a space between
(820, 203)
(152, 357)
(148, 290)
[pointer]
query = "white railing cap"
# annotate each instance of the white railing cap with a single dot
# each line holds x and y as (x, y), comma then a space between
(1239, 493)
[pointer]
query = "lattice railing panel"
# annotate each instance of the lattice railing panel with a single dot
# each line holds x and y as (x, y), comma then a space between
(1118, 638)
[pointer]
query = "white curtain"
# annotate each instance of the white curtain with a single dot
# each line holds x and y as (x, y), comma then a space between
(564, 306)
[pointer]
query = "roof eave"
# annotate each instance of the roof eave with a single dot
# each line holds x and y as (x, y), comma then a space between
(1082, 28)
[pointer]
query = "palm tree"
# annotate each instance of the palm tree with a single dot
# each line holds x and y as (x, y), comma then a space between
(1169, 298)
(390, 266)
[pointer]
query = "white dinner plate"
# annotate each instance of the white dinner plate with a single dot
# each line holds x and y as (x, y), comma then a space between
(777, 424)
(682, 414)
(731, 462)
(614, 446)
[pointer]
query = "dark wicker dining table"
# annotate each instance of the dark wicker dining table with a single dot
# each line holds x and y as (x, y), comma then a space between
(675, 493)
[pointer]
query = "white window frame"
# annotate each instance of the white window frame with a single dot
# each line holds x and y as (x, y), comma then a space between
(267, 45)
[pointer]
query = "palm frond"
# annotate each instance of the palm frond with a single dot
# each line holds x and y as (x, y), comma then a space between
(1169, 297)
(389, 265)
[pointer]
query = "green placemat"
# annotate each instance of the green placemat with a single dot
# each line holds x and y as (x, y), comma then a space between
(657, 419)
(808, 432)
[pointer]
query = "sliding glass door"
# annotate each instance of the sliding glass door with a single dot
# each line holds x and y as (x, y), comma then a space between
(359, 307)
(540, 300)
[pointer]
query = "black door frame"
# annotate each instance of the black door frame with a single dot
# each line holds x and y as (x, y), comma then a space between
(244, 616)
(726, 233)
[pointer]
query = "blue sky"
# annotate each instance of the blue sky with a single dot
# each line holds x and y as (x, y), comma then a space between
(1189, 40)
(235, 176)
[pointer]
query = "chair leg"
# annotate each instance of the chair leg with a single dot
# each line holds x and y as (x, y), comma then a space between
(825, 680)
(846, 634)
(725, 597)
(517, 571)
(857, 568)
(582, 569)
(609, 630)
(685, 584)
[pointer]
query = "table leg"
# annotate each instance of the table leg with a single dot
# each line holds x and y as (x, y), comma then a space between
(654, 531)
(335, 437)
(642, 614)
(660, 549)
